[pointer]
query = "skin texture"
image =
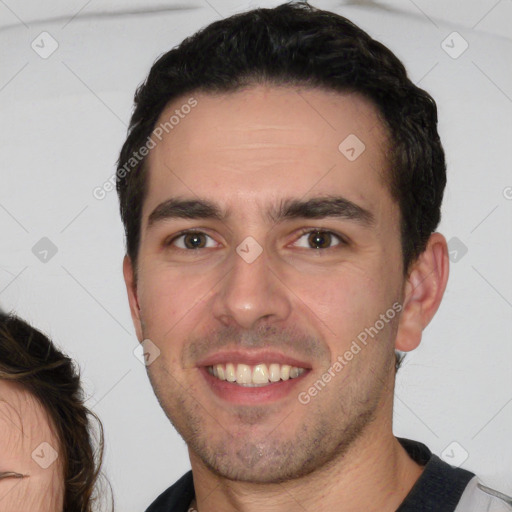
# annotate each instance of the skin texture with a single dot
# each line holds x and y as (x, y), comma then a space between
(248, 152)
(24, 425)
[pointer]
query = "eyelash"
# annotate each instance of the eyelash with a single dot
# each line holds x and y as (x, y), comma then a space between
(169, 242)
(342, 240)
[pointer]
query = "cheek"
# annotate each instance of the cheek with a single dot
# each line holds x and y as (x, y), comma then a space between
(165, 295)
(344, 301)
(172, 303)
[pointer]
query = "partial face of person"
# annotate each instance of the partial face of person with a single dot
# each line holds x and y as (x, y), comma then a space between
(269, 278)
(31, 475)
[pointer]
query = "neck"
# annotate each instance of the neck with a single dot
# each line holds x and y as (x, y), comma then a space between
(376, 473)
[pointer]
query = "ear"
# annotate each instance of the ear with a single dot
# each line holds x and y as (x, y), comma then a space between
(424, 289)
(131, 289)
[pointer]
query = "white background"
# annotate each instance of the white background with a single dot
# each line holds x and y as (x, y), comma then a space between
(63, 120)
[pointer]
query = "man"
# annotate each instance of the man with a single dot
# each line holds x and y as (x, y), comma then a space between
(280, 188)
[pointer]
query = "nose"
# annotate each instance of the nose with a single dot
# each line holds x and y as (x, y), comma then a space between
(251, 292)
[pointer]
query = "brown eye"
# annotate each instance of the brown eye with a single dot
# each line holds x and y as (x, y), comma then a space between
(320, 239)
(191, 240)
(194, 240)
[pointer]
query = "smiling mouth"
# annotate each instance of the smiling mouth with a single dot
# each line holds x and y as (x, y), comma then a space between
(258, 375)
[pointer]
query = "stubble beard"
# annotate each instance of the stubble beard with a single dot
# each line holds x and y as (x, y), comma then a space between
(248, 453)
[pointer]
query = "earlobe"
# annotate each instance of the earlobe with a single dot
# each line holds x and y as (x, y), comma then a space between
(131, 290)
(424, 290)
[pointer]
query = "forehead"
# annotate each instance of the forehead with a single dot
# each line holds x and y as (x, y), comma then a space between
(267, 142)
(24, 425)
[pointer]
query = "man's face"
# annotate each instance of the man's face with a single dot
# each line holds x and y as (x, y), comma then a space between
(305, 256)
(31, 474)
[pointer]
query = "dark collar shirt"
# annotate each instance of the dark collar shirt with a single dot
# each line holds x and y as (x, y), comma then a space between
(440, 488)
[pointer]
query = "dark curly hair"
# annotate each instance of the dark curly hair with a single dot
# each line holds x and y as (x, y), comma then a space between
(297, 45)
(30, 359)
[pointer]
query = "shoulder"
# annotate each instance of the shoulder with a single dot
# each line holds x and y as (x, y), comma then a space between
(176, 498)
(479, 498)
(445, 488)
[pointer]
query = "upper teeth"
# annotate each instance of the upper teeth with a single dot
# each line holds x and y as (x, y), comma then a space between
(258, 375)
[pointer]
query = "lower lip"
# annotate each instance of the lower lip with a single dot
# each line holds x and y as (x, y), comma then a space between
(237, 394)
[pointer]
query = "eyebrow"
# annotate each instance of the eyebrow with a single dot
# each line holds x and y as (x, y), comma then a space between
(11, 474)
(321, 207)
(185, 209)
(314, 208)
